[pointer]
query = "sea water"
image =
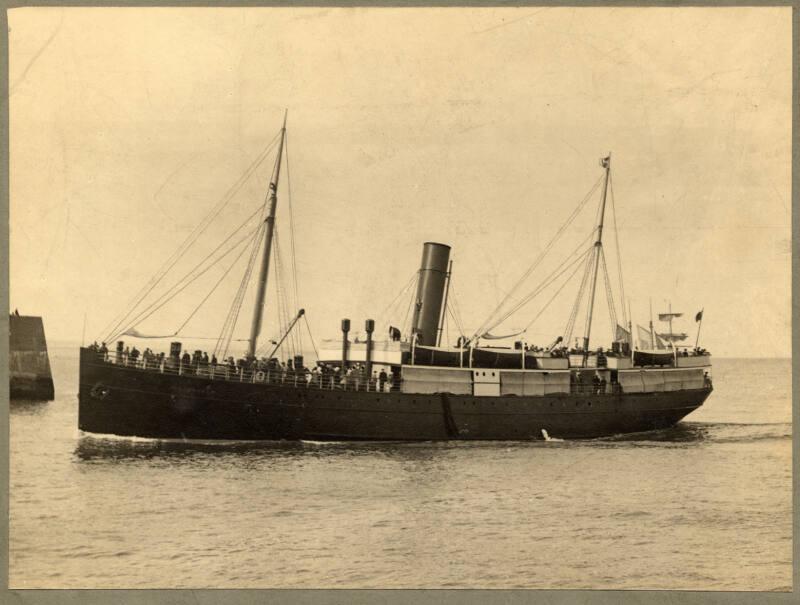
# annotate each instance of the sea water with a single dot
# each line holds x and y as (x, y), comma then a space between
(704, 505)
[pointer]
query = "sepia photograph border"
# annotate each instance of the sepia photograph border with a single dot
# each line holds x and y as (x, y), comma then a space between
(392, 596)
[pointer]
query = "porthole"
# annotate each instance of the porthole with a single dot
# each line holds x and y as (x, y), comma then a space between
(100, 391)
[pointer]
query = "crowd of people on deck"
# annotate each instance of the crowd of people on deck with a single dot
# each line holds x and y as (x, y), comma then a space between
(293, 371)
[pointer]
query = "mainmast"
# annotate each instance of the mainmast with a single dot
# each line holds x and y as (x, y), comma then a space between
(272, 200)
(598, 249)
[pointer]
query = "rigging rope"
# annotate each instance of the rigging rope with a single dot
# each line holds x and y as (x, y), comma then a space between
(452, 315)
(573, 316)
(279, 295)
(592, 279)
(189, 241)
(538, 260)
(612, 310)
(547, 304)
(390, 307)
(546, 282)
(619, 255)
(291, 221)
(284, 307)
(169, 295)
(311, 337)
(551, 279)
(188, 275)
(411, 302)
(224, 275)
(226, 335)
(457, 317)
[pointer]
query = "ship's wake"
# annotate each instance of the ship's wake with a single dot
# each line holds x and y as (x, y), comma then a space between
(706, 432)
(685, 434)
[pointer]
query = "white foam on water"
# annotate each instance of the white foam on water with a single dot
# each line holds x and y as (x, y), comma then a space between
(547, 437)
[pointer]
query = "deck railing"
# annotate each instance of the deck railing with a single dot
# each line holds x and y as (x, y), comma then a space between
(233, 373)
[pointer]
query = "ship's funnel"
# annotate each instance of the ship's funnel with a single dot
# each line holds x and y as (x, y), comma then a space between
(430, 291)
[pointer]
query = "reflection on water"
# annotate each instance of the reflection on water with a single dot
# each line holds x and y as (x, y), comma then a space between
(27, 406)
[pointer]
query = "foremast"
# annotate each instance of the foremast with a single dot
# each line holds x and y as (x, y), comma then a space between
(269, 221)
(598, 249)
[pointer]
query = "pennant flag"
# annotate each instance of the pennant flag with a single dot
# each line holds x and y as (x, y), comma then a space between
(699, 315)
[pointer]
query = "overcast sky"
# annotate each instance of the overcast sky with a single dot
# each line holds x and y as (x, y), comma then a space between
(480, 128)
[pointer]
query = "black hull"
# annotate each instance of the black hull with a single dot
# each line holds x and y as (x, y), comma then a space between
(145, 403)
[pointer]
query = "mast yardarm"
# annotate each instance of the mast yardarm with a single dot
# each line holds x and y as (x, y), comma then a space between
(272, 201)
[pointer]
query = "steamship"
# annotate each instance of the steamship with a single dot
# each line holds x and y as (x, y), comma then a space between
(406, 386)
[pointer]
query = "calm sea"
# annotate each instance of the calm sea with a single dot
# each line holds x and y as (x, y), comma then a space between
(706, 505)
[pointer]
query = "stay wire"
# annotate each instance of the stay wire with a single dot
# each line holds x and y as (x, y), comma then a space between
(570, 327)
(482, 329)
(192, 237)
(575, 262)
(525, 300)
(164, 299)
(619, 254)
(547, 304)
(390, 307)
(593, 278)
(311, 336)
(224, 275)
(220, 347)
(609, 297)
(412, 301)
(233, 315)
(243, 290)
(171, 291)
(291, 222)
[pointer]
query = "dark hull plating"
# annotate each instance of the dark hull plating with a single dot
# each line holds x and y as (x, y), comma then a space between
(132, 402)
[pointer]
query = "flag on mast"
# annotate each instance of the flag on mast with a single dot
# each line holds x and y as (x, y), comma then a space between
(699, 316)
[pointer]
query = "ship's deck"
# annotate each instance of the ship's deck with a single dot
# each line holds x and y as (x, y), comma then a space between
(353, 381)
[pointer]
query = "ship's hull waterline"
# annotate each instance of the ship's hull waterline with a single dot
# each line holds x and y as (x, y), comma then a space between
(132, 402)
